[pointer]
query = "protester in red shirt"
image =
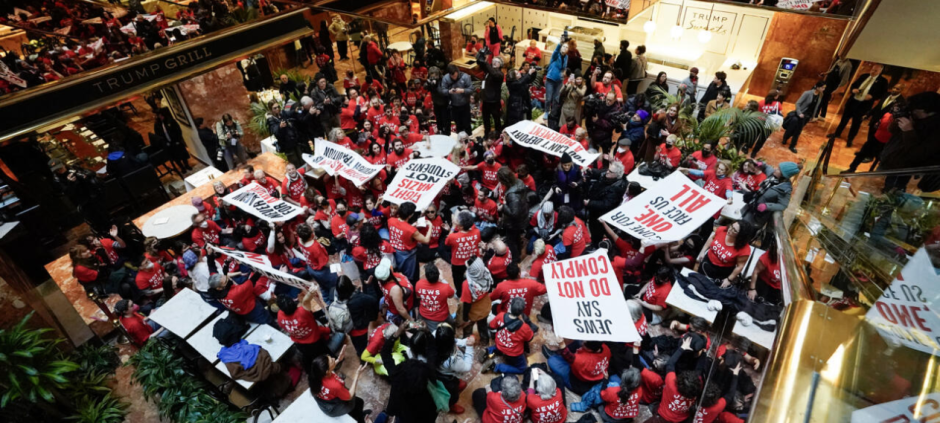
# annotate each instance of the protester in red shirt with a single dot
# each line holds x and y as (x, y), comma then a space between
(533, 54)
(575, 237)
(522, 173)
(433, 294)
(653, 295)
(206, 231)
(570, 127)
(680, 391)
(713, 404)
(149, 276)
(87, 267)
(704, 159)
(512, 336)
(622, 403)
(474, 46)
(239, 299)
(717, 181)
(267, 182)
(727, 252)
(487, 168)
(317, 260)
(506, 406)
(544, 255)
(405, 237)
(484, 206)
(601, 88)
(135, 324)
(583, 368)
(767, 271)
(398, 292)
(327, 387)
(294, 184)
(464, 243)
(399, 155)
(544, 399)
(668, 154)
(514, 287)
(300, 323)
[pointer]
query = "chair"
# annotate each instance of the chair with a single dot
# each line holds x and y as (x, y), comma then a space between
(128, 106)
(116, 197)
(143, 183)
(160, 158)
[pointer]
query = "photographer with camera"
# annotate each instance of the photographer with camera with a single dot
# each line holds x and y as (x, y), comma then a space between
(606, 117)
(492, 88)
(230, 133)
(458, 86)
(281, 125)
(605, 191)
(519, 102)
(440, 99)
(328, 101)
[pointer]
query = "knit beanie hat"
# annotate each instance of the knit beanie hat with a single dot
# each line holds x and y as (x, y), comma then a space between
(566, 158)
(643, 114)
(788, 169)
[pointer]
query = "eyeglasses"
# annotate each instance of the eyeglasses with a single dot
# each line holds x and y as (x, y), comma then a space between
(432, 211)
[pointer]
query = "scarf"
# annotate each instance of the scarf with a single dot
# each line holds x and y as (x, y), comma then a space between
(479, 278)
(242, 352)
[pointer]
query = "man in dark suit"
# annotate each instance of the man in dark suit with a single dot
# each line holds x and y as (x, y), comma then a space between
(865, 92)
(878, 135)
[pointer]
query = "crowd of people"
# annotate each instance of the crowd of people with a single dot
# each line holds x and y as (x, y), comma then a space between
(425, 293)
(69, 37)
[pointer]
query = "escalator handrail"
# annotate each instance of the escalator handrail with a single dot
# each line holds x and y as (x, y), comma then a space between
(798, 286)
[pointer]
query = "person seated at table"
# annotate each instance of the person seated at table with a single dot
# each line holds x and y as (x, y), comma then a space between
(149, 279)
(474, 46)
(765, 282)
(240, 299)
(653, 295)
(622, 403)
(301, 323)
(580, 365)
(512, 340)
(330, 391)
(138, 327)
(727, 252)
(507, 404)
(252, 363)
(108, 250)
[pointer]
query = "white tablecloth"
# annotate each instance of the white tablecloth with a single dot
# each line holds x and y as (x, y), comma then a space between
(201, 178)
(267, 145)
(183, 313)
(305, 409)
(646, 182)
(170, 222)
(401, 46)
(678, 299)
(733, 210)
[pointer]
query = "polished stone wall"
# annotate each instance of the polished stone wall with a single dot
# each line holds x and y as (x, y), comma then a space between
(217, 92)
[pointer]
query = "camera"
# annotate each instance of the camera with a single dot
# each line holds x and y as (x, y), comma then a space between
(537, 68)
(593, 102)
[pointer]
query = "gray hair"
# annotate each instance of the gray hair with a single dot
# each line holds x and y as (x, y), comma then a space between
(306, 101)
(580, 132)
(462, 136)
(636, 310)
(617, 168)
(497, 62)
(510, 389)
(545, 387)
(337, 134)
(630, 379)
(517, 306)
(215, 281)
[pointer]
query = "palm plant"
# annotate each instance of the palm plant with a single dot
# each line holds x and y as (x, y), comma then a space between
(259, 120)
(104, 410)
(102, 359)
(31, 365)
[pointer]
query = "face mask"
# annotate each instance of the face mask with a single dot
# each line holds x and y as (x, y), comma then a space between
(669, 146)
(621, 149)
(204, 224)
(706, 153)
(341, 213)
(135, 307)
(490, 161)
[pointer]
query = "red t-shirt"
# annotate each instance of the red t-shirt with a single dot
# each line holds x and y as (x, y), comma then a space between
(315, 255)
(338, 224)
(602, 90)
(724, 255)
(409, 301)
(152, 279)
(251, 244)
(626, 158)
(369, 259)
(295, 189)
(486, 208)
(569, 132)
(209, 234)
(529, 181)
(574, 238)
(618, 410)
(498, 410)
(301, 326)
(510, 343)
(137, 328)
(377, 339)
(527, 289)
(108, 245)
(497, 264)
(652, 384)
(412, 139)
(656, 295)
(709, 414)
(669, 157)
(463, 246)
(435, 236)
(714, 185)
(589, 366)
(552, 410)
(533, 55)
(771, 273)
(704, 163)
(397, 160)
(674, 407)
(333, 388)
(400, 234)
(84, 274)
(433, 304)
(240, 298)
(535, 271)
(488, 174)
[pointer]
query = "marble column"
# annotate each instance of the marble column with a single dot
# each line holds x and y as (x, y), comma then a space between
(452, 40)
(217, 92)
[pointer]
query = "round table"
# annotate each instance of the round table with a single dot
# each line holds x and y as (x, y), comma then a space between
(173, 222)
(441, 146)
(401, 46)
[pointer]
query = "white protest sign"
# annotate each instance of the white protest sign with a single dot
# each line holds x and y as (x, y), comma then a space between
(532, 135)
(255, 200)
(129, 29)
(669, 211)
(260, 263)
(587, 303)
(419, 181)
(620, 4)
(96, 21)
(336, 159)
(927, 407)
(796, 4)
(905, 312)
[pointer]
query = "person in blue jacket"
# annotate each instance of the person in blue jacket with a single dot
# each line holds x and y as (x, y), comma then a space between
(554, 75)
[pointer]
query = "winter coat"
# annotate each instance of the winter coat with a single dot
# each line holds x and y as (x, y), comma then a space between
(571, 97)
(604, 194)
(492, 82)
(518, 105)
(557, 65)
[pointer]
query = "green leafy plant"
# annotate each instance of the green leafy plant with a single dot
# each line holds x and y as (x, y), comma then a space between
(101, 359)
(106, 409)
(259, 120)
(241, 15)
(31, 366)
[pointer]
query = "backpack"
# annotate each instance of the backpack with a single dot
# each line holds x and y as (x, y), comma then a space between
(340, 318)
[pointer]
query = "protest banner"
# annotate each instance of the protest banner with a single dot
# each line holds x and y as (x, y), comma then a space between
(917, 408)
(620, 4)
(254, 199)
(93, 21)
(905, 312)
(260, 263)
(532, 135)
(668, 211)
(336, 159)
(587, 303)
(796, 4)
(419, 181)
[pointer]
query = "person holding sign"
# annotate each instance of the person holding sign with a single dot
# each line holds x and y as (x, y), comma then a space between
(727, 252)
(318, 261)
(512, 340)
(653, 295)
(240, 299)
(300, 323)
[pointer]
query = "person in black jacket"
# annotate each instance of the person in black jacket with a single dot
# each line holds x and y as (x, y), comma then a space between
(519, 100)
(165, 126)
(211, 142)
(326, 97)
(282, 127)
(409, 399)
(865, 91)
(363, 306)
(441, 101)
(711, 92)
(605, 193)
(624, 61)
(603, 124)
(492, 90)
